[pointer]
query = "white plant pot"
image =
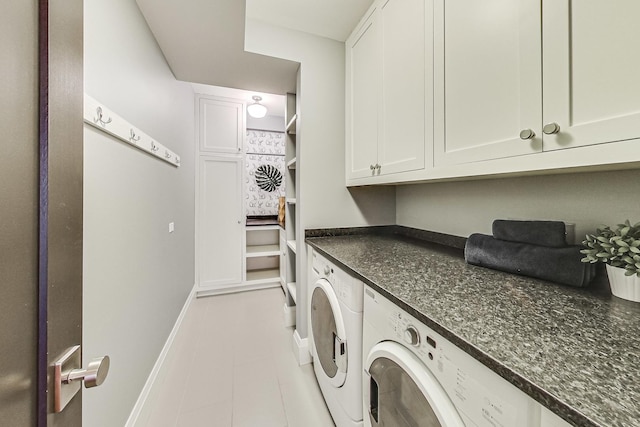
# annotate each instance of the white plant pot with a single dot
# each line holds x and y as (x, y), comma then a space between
(625, 287)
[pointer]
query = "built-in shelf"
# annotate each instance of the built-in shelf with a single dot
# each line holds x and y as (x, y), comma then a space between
(292, 245)
(291, 164)
(266, 275)
(251, 226)
(262, 254)
(291, 287)
(263, 250)
(291, 201)
(291, 126)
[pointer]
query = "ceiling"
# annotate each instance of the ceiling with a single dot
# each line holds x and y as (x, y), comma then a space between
(333, 19)
(203, 40)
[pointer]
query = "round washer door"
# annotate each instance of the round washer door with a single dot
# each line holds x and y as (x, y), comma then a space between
(329, 337)
(403, 392)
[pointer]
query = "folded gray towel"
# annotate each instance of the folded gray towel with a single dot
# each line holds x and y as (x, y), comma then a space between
(542, 233)
(560, 265)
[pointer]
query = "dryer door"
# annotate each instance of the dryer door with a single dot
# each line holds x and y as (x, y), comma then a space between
(402, 392)
(327, 328)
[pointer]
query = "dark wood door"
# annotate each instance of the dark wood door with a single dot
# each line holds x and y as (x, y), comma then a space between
(40, 205)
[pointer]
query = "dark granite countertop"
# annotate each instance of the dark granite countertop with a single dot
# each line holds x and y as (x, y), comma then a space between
(576, 351)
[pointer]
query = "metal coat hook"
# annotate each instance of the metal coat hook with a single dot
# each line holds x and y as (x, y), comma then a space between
(154, 147)
(167, 154)
(177, 160)
(133, 137)
(98, 119)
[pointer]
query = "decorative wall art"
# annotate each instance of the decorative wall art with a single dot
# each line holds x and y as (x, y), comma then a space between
(264, 172)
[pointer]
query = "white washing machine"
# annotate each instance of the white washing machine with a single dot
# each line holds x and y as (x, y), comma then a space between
(414, 377)
(335, 319)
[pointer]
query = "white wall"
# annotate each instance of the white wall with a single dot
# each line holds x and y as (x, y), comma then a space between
(137, 276)
(461, 208)
(270, 123)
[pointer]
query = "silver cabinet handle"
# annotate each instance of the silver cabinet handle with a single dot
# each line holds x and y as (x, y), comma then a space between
(93, 376)
(527, 134)
(551, 128)
(377, 166)
(372, 167)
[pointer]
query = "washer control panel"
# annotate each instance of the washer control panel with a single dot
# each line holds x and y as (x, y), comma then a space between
(347, 288)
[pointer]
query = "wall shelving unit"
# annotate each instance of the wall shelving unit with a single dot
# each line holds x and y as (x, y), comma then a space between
(291, 214)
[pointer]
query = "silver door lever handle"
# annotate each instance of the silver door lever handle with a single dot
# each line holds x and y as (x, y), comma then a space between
(93, 376)
(68, 376)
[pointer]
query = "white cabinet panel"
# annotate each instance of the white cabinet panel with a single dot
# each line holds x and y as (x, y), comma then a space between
(221, 125)
(404, 62)
(363, 99)
(389, 113)
(220, 227)
(487, 79)
(591, 68)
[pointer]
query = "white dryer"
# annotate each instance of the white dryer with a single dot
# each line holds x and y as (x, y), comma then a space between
(335, 319)
(414, 377)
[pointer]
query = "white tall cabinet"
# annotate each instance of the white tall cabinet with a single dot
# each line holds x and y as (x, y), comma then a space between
(220, 228)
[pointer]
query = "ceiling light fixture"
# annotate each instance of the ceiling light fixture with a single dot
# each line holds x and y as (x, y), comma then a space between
(257, 110)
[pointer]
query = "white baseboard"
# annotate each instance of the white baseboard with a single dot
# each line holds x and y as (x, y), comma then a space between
(231, 289)
(289, 315)
(301, 349)
(146, 390)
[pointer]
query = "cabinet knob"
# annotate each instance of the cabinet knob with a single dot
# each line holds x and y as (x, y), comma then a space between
(372, 167)
(551, 128)
(527, 134)
(377, 166)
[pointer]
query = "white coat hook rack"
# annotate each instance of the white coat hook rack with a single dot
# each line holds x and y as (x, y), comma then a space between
(99, 116)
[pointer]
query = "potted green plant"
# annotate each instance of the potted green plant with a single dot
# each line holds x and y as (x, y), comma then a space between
(619, 248)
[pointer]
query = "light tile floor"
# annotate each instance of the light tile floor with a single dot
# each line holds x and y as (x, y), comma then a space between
(233, 366)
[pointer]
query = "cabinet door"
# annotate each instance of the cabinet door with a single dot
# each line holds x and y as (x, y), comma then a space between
(406, 91)
(221, 125)
(220, 228)
(591, 68)
(363, 89)
(487, 79)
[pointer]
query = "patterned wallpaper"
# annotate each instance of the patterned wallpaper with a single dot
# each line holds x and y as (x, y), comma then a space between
(264, 171)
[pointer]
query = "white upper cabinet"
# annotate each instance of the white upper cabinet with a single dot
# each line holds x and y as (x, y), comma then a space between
(389, 88)
(591, 71)
(221, 125)
(488, 79)
(363, 80)
(404, 99)
(450, 89)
